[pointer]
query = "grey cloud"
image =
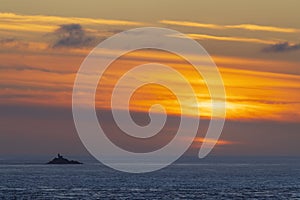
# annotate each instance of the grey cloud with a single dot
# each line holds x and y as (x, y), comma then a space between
(72, 35)
(12, 42)
(7, 40)
(35, 87)
(25, 67)
(282, 47)
(13, 96)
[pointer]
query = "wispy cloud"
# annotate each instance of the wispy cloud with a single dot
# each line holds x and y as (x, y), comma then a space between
(43, 23)
(7, 40)
(13, 43)
(32, 68)
(282, 47)
(251, 27)
(23, 26)
(212, 141)
(232, 39)
(191, 24)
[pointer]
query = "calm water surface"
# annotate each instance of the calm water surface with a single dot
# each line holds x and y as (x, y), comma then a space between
(218, 178)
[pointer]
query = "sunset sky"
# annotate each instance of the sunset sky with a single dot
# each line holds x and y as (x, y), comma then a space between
(255, 44)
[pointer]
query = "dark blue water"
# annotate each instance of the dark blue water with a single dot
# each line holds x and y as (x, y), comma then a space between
(214, 178)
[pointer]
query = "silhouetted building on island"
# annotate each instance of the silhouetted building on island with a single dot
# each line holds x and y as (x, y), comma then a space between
(61, 160)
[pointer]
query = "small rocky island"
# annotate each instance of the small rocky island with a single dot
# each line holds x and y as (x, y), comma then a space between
(61, 160)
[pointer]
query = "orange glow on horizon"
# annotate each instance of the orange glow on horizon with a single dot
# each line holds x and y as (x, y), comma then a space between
(200, 140)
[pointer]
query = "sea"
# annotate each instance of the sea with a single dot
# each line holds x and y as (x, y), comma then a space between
(209, 178)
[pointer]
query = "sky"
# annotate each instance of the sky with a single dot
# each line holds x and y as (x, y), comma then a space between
(255, 45)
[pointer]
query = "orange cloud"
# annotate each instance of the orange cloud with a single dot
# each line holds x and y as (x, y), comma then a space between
(251, 27)
(212, 141)
(231, 39)
(43, 23)
(251, 95)
(191, 24)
